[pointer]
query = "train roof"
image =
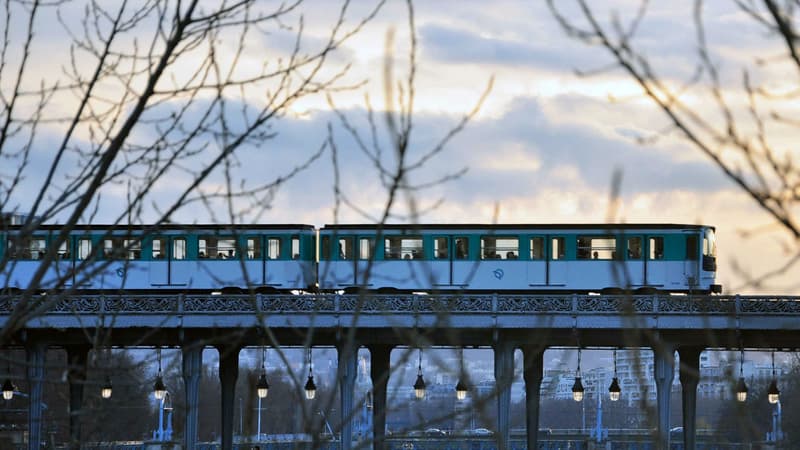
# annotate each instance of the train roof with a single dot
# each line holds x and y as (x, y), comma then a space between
(522, 226)
(150, 228)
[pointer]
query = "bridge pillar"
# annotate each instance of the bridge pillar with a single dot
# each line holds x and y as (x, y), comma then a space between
(689, 376)
(35, 353)
(347, 372)
(664, 372)
(379, 372)
(192, 370)
(532, 372)
(228, 372)
(503, 376)
(77, 356)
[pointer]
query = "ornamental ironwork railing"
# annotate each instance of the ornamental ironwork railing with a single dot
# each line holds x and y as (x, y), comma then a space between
(404, 304)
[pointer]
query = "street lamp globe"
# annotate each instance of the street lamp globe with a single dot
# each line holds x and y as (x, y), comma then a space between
(419, 387)
(159, 390)
(577, 390)
(262, 387)
(8, 389)
(614, 390)
(461, 390)
(311, 388)
(773, 394)
(105, 391)
(741, 390)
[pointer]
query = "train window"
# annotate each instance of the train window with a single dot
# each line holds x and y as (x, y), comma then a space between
(84, 248)
(635, 247)
(709, 244)
(656, 244)
(440, 250)
(253, 248)
(27, 248)
(273, 248)
(691, 248)
(325, 249)
(590, 247)
(494, 247)
(366, 247)
(179, 249)
(295, 247)
(462, 248)
(117, 248)
(63, 251)
(37, 248)
(537, 248)
(160, 248)
(216, 248)
(346, 250)
(557, 248)
(405, 247)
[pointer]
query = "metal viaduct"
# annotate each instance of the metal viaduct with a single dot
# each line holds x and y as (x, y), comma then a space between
(532, 323)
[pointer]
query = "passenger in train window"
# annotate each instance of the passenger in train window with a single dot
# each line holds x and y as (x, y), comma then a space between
(461, 248)
(511, 255)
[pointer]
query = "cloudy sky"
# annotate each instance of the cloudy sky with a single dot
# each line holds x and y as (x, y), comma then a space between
(544, 144)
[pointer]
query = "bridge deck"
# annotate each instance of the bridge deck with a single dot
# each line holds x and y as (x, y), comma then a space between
(704, 320)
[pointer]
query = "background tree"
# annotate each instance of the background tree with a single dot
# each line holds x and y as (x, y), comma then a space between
(737, 112)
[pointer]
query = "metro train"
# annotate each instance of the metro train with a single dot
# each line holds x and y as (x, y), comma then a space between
(604, 258)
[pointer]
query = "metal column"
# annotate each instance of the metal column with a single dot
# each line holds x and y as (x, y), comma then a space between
(503, 376)
(77, 356)
(347, 372)
(689, 376)
(192, 371)
(228, 372)
(379, 372)
(35, 353)
(532, 372)
(664, 372)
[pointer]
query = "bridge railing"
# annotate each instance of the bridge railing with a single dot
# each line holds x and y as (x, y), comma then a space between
(495, 304)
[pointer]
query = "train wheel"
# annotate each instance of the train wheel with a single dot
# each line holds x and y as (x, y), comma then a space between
(647, 290)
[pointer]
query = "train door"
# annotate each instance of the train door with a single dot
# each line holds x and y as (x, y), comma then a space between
(462, 263)
(85, 254)
(655, 263)
(65, 264)
(169, 265)
(537, 270)
(345, 257)
(255, 265)
(690, 263)
(450, 266)
(635, 264)
(365, 261)
(557, 265)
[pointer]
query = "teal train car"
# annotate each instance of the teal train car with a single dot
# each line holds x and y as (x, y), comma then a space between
(574, 258)
(261, 258)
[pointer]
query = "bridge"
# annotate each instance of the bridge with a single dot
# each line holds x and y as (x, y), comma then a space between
(687, 324)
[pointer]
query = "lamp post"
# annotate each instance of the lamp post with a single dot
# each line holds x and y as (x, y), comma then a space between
(577, 387)
(461, 386)
(741, 387)
(773, 394)
(164, 432)
(310, 387)
(262, 389)
(159, 390)
(419, 385)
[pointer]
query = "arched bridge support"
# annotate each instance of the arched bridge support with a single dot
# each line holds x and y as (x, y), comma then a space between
(532, 372)
(689, 376)
(379, 372)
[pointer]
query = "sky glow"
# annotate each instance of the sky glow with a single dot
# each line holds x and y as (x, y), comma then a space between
(542, 148)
